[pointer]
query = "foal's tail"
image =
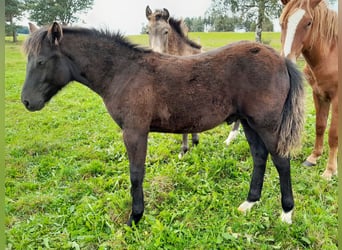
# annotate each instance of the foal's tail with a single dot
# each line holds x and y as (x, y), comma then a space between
(293, 113)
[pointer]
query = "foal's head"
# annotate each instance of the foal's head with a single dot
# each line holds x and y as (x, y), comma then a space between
(158, 29)
(47, 69)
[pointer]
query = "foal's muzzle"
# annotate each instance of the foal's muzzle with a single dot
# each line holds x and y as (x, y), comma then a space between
(31, 105)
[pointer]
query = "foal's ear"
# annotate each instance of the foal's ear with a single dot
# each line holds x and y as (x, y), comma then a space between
(55, 33)
(285, 1)
(166, 14)
(32, 27)
(148, 12)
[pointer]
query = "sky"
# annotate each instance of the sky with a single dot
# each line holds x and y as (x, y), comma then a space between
(128, 16)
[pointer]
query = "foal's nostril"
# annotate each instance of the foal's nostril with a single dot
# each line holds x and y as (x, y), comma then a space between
(26, 103)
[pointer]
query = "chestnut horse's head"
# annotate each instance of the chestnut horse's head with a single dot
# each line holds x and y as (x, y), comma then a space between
(47, 69)
(297, 22)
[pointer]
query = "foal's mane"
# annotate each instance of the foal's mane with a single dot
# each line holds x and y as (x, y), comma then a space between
(178, 26)
(325, 21)
(33, 44)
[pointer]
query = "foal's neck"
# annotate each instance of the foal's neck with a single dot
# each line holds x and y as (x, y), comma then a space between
(177, 45)
(95, 63)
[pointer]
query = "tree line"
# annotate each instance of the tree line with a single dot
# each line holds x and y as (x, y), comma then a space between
(222, 15)
(43, 12)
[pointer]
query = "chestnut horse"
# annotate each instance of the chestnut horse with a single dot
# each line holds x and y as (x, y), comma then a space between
(145, 91)
(168, 35)
(309, 28)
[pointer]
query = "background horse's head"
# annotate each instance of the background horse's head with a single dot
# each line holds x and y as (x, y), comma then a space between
(158, 29)
(47, 69)
(297, 23)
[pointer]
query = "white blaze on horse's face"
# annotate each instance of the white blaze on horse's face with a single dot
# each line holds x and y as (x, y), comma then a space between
(292, 26)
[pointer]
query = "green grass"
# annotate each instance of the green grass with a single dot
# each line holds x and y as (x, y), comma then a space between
(67, 181)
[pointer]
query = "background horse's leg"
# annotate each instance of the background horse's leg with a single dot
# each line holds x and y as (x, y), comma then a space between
(136, 146)
(195, 139)
(331, 168)
(322, 111)
(233, 133)
(259, 154)
(185, 146)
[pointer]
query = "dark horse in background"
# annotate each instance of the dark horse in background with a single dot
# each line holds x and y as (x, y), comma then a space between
(169, 35)
(145, 91)
(309, 27)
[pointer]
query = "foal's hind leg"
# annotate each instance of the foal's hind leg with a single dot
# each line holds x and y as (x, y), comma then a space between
(259, 154)
(283, 167)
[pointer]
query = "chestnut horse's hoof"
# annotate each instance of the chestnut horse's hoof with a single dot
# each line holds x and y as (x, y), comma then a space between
(308, 164)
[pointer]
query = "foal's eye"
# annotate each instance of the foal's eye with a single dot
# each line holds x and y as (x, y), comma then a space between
(41, 62)
(309, 23)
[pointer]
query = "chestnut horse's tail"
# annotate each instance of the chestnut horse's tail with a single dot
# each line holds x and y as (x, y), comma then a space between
(293, 113)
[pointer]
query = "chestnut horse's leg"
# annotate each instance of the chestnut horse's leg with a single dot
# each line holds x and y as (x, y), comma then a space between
(136, 146)
(331, 168)
(259, 154)
(322, 107)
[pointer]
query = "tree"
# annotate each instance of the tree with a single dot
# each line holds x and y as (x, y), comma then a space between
(46, 11)
(257, 11)
(14, 10)
(195, 24)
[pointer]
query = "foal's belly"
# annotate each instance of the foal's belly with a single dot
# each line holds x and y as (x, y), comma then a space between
(187, 125)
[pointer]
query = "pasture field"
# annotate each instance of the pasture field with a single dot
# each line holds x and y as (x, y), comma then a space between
(67, 181)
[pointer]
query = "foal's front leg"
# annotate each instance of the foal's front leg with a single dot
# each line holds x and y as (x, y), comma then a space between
(136, 146)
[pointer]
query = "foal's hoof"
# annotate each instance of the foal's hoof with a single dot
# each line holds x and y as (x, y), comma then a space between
(246, 206)
(308, 164)
(286, 217)
(134, 219)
